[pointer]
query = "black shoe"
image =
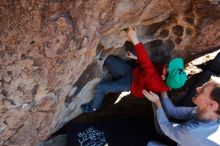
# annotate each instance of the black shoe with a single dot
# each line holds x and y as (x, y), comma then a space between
(87, 108)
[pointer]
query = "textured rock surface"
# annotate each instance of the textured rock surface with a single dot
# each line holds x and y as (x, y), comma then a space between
(51, 53)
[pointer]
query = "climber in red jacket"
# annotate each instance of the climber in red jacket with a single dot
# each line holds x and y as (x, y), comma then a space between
(144, 76)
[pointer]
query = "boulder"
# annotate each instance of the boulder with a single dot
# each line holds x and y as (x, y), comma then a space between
(51, 53)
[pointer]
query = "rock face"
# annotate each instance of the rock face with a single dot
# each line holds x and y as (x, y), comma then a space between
(51, 53)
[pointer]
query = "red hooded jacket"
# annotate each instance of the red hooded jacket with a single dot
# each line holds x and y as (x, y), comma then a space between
(145, 75)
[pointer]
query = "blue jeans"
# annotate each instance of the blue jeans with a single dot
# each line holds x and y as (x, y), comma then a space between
(121, 80)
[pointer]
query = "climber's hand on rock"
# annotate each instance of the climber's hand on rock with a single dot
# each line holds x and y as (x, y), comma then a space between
(130, 55)
(132, 35)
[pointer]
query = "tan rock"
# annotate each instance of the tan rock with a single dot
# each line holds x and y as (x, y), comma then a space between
(49, 50)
